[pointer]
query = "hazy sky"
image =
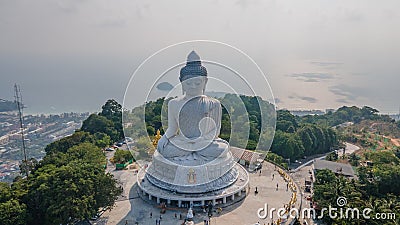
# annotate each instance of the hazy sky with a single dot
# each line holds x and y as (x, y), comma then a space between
(74, 55)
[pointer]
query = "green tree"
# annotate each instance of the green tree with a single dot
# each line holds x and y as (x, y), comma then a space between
(70, 188)
(102, 140)
(5, 192)
(284, 125)
(12, 212)
(277, 159)
(367, 112)
(144, 146)
(354, 159)
(153, 111)
(64, 144)
(308, 138)
(28, 166)
(388, 177)
(19, 188)
(122, 156)
(97, 123)
(112, 110)
(333, 156)
(287, 145)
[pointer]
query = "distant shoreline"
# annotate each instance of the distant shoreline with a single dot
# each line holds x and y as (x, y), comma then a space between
(46, 114)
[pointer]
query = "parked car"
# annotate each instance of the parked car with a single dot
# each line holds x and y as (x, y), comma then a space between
(109, 149)
(128, 139)
(258, 166)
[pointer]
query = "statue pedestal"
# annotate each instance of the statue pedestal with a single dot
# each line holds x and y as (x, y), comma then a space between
(230, 194)
(192, 177)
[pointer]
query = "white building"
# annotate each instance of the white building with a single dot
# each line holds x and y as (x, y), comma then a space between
(4, 139)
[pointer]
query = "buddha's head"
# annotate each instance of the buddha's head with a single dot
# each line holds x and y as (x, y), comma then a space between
(193, 76)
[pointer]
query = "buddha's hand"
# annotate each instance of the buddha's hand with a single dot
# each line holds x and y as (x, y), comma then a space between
(162, 142)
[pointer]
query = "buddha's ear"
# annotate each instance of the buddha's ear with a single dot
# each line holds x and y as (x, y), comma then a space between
(183, 90)
(205, 83)
(205, 80)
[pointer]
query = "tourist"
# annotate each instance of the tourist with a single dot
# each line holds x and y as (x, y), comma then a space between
(273, 176)
(175, 215)
(156, 221)
(277, 186)
(287, 186)
(151, 214)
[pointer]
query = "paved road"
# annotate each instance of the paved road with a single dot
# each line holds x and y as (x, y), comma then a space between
(302, 173)
(350, 148)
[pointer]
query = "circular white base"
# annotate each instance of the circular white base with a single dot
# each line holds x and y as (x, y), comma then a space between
(161, 195)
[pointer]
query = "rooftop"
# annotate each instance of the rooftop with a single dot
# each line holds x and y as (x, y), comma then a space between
(337, 168)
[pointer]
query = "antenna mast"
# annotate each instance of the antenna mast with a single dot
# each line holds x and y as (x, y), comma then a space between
(18, 101)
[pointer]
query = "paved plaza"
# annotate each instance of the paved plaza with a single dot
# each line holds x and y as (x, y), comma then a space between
(130, 208)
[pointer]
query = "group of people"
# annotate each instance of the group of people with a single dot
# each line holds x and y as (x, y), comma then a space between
(158, 220)
(258, 223)
(206, 222)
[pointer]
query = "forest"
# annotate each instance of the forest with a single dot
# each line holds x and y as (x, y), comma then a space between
(248, 122)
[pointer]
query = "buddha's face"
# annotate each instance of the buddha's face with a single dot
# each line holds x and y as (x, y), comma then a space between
(194, 86)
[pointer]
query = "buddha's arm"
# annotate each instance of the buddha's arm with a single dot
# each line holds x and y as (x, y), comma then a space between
(214, 125)
(172, 120)
(218, 117)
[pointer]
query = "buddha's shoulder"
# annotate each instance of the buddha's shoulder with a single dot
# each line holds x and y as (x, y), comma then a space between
(175, 100)
(209, 99)
(202, 99)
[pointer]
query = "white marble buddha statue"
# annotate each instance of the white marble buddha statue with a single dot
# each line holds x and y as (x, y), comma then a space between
(194, 119)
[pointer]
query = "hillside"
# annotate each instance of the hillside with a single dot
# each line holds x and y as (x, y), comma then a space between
(7, 106)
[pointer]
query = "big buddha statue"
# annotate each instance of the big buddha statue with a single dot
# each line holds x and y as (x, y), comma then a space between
(194, 119)
(190, 157)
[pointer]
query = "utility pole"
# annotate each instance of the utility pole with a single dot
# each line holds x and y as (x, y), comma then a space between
(18, 101)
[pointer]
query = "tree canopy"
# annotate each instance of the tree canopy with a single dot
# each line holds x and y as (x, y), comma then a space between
(112, 110)
(122, 156)
(69, 184)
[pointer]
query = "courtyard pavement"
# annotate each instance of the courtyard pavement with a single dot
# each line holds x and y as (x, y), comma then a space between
(130, 208)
